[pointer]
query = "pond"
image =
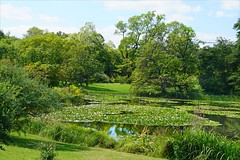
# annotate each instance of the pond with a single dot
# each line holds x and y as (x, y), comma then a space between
(230, 127)
(103, 116)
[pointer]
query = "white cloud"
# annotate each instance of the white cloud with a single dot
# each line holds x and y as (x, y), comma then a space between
(9, 11)
(176, 10)
(108, 34)
(220, 13)
(18, 31)
(158, 6)
(230, 4)
(48, 18)
(223, 14)
(180, 18)
(211, 38)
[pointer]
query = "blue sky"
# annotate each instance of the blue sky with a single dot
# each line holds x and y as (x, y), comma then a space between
(209, 18)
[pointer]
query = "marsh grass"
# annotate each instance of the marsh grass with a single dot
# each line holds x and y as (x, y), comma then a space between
(151, 145)
(198, 144)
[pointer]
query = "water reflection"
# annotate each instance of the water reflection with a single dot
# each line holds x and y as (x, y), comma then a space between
(230, 128)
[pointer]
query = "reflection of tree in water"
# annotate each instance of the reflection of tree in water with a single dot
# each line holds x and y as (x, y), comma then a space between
(230, 126)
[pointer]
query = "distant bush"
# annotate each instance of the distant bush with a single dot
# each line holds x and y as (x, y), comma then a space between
(101, 78)
(70, 95)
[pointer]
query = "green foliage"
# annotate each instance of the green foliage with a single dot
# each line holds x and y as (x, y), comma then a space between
(151, 145)
(34, 31)
(47, 151)
(46, 73)
(201, 145)
(70, 95)
(7, 49)
(21, 97)
(8, 108)
(166, 64)
(215, 68)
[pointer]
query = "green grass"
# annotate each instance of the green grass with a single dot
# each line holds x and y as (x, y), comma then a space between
(109, 88)
(24, 148)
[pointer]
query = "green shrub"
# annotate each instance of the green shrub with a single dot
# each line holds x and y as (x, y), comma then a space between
(47, 151)
(143, 144)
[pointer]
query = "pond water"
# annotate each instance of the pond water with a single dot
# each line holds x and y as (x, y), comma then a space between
(230, 127)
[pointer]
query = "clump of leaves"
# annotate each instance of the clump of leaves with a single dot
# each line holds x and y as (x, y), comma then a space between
(48, 151)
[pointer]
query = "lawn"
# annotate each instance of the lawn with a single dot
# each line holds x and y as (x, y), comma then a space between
(25, 148)
(111, 88)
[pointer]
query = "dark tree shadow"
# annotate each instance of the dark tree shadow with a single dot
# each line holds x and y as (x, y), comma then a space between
(99, 89)
(25, 142)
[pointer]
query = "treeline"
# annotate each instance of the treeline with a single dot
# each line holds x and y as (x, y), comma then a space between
(157, 58)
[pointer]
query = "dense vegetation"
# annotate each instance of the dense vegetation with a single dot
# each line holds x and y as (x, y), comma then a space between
(45, 71)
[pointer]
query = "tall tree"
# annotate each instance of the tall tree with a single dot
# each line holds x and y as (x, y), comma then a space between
(42, 55)
(135, 33)
(34, 31)
(167, 62)
(215, 68)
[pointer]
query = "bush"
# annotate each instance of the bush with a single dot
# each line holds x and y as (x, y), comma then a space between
(101, 78)
(47, 151)
(70, 95)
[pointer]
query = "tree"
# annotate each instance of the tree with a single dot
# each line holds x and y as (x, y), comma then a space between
(182, 43)
(135, 33)
(20, 98)
(234, 61)
(43, 55)
(215, 68)
(7, 48)
(121, 28)
(167, 64)
(34, 31)
(237, 28)
(84, 52)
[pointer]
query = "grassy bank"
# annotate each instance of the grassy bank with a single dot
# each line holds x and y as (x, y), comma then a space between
(25, 148)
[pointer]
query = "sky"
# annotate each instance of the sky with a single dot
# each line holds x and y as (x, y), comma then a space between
(209, 18)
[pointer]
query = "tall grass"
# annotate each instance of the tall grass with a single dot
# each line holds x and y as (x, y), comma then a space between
(71, 134)
(201, 145)
(151, 145)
